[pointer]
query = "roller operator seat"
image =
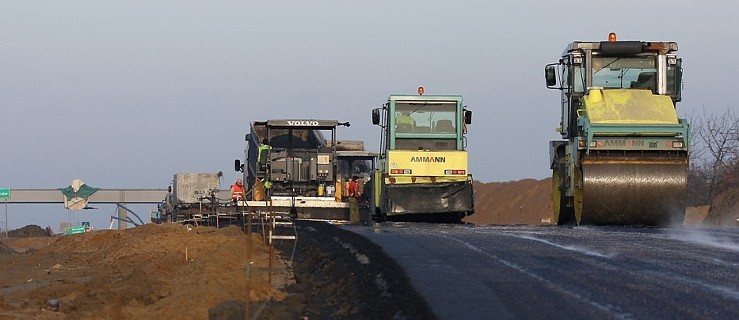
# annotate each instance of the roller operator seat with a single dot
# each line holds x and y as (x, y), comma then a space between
(646, 80)
(444, 126)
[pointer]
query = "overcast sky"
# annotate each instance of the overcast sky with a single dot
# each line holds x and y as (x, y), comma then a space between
(124, 94)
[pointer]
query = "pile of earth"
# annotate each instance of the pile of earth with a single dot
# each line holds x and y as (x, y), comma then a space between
(28, 231)
(525, 201)
(724, 210)
(696, 215)
(166, 271)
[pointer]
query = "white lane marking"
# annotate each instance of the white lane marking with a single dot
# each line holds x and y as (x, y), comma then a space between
(605, 308)
(583, 250)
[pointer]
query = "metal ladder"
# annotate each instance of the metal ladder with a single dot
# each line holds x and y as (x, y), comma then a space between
(282, 222)
(272, 218)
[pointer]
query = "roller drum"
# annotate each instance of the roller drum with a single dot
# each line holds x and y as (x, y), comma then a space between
(634, 192)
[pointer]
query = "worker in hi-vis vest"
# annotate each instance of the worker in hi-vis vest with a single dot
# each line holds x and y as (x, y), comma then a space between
(237, 191)
(262, 152)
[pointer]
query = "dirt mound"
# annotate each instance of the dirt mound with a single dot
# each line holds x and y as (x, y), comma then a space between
(724, 209)
(696, 215)
(28, 231)
(525, 201)
(166, 271)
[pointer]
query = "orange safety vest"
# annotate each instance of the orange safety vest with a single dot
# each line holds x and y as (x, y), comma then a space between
(238, 191)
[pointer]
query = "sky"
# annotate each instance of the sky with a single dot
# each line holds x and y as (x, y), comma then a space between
(125, 94)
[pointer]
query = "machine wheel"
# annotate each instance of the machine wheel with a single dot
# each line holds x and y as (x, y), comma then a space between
(381, 210)
(631, 191)
(562, 213)
(577, 191)
(378, 216)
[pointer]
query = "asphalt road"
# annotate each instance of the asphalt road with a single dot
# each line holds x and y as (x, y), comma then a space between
(530, 272)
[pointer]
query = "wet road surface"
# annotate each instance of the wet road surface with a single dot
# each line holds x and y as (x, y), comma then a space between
(514, 272)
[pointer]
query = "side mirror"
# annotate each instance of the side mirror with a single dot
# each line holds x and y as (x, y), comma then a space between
(376, 116)
(550, 73)
(237, 165)
(468, 117)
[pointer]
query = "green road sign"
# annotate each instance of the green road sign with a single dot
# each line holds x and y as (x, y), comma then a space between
(4, 193)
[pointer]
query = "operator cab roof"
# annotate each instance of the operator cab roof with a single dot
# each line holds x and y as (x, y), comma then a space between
(622, 47)
(415, 97)
(301, 123)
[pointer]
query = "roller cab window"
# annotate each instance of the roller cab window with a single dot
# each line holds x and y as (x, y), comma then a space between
(674, 78)
(578, 79)
(426, 125)
(624, 73)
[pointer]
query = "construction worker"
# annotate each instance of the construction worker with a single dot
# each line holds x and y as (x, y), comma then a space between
(346, 188)
(363, 199)
(262, 152)
(354, 195)
(237, 191)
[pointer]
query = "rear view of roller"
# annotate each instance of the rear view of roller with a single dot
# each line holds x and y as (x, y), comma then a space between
(623, 159)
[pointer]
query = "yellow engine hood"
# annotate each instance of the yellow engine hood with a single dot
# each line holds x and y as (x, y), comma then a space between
(629, 106)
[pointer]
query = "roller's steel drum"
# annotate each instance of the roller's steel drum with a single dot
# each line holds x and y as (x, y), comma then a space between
(634, 192)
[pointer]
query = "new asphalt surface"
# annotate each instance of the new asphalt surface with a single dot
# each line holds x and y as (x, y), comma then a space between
(523, 272)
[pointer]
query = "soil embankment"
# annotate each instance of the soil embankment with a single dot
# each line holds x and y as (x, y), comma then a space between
(166, 271)
(724, 209)
(525, 201)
